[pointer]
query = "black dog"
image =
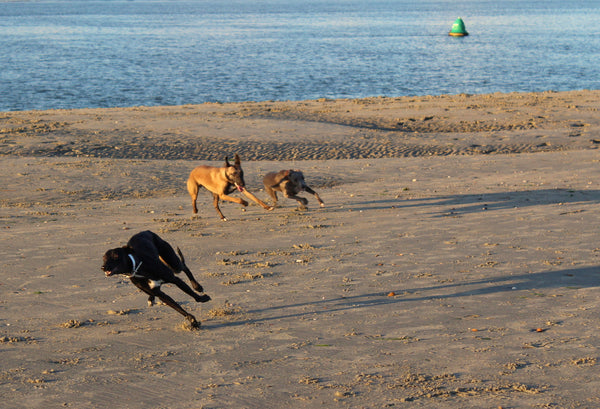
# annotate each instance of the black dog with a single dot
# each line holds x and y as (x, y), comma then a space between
(149, 262)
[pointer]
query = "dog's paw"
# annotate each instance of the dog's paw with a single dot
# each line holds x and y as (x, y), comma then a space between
(196, 286)
(190, 324)
(203, 298)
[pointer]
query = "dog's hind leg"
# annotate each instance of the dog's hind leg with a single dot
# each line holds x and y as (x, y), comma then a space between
(176, 264)
(272, 193)
(186, 288)
(192, 187)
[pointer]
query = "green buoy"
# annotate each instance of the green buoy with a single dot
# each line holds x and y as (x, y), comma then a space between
(458, 28)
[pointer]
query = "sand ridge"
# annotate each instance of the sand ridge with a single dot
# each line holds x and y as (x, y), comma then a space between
(324, 129)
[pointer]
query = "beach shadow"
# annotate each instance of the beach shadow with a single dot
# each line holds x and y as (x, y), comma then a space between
(464, 204)
(476, 202)
(533, 283)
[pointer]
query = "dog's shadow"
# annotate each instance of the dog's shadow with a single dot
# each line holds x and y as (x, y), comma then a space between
(470, 203)
(570, 279)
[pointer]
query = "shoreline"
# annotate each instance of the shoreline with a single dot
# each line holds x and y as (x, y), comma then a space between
(295, 101)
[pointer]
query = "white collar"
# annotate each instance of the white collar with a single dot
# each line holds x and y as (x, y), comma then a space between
(135, 268)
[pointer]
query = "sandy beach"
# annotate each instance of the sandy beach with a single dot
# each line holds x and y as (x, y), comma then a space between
(456, 262)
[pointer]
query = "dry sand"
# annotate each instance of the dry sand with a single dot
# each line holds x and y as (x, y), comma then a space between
(454, 228)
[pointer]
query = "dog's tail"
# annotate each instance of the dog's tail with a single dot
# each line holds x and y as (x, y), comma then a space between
(188, 273)
(181, 257)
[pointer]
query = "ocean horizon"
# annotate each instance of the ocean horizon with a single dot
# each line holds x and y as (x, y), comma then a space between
(112, 53)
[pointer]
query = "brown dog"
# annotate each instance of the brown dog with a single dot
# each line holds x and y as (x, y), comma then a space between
(221, 182)
(149, 261)
(290, 183)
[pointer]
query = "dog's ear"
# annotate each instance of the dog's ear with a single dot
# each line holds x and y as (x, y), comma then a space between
(285, 176)
(238, 162)
(127, 250)
(227, 162)
(114, 254)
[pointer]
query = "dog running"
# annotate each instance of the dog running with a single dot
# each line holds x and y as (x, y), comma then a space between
(149, 261)
(290, 183)
(221, 182)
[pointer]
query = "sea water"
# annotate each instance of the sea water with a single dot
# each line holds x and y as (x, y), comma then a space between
(111, 53)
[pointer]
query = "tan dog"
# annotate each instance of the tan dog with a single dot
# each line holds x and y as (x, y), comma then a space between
(290, 183)
(221, 182)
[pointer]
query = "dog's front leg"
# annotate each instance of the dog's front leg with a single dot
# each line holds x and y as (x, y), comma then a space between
(223, 196)
(234, 199)
(173, 304)
(257, 200)
(216, 204)
(142, 285)
(303, 202)
(315, 194)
